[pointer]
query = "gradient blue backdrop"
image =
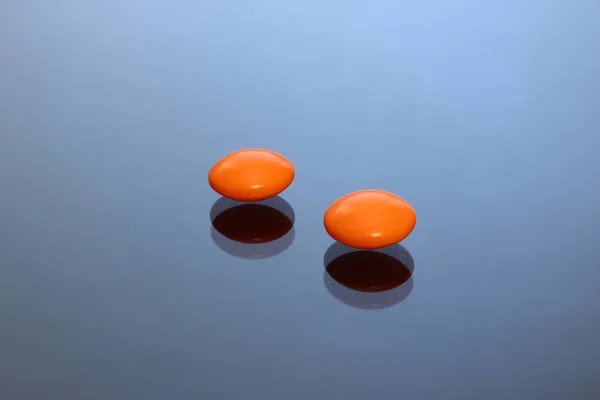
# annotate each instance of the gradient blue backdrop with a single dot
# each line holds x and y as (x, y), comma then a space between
(484, 115)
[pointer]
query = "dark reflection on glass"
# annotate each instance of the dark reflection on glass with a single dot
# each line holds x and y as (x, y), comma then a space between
(252, 230)
(368, 279)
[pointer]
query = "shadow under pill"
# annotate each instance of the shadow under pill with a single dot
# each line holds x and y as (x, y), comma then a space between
(252, 230)
(368, 279)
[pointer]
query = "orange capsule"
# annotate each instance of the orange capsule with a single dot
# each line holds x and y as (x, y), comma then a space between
(370, 219)
(251, 175)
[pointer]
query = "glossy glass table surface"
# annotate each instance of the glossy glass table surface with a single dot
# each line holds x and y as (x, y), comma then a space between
(114, 284)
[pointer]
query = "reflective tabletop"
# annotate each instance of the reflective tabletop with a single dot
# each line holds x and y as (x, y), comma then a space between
(123, 275)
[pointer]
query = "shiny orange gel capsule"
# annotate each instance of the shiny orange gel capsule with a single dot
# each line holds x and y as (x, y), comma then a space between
(251, 175)
(370, 219)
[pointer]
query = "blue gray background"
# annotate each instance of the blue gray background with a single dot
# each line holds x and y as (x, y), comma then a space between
(484, 115)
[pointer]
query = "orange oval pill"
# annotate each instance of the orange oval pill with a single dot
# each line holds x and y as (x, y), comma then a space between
(251, 175)
(370, 219)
